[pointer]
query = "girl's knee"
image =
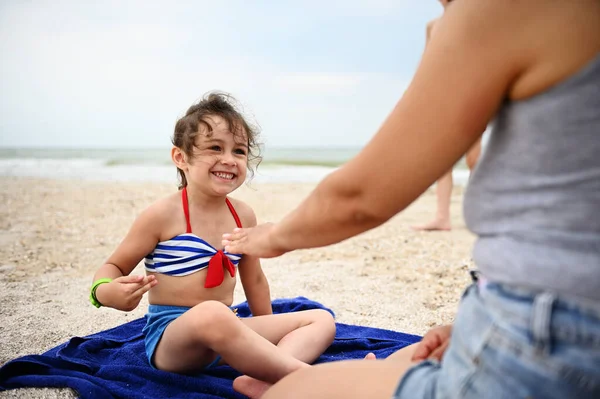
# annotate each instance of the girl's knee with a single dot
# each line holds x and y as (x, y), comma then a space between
(210, 318)
(325, 321)
(321, 315)
(211, 307)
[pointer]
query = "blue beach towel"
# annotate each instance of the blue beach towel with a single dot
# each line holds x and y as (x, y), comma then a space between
(112, 363)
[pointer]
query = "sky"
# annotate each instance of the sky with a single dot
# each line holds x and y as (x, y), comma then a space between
(119, 73)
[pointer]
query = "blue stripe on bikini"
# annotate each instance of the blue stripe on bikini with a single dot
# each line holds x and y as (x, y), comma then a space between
(166, 256)
(178, 272)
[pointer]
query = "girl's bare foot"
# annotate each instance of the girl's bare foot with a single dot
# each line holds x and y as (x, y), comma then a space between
(434, 225)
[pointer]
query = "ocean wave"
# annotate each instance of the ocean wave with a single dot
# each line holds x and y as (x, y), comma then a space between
(124, 162)
(279, 165)
(98, 170)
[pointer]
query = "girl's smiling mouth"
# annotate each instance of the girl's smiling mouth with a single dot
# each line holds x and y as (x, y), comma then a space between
(224, 175)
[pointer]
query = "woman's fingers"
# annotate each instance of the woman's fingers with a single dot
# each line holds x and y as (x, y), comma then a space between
(438, 353)
(234, 242)
(427, 345)
(433, 344)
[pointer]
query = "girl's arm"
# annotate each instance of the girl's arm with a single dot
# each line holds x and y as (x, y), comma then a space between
(256, 286)
(254, 281)
(465, 73)
(125, 292)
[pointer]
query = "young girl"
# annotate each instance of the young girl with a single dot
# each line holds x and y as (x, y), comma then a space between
(530, 328)
(190, 280)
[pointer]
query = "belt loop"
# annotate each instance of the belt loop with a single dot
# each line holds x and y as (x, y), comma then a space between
(478, 279)
(474, 275)
(541, 319)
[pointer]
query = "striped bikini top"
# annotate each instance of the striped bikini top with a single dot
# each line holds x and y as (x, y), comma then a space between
(187, 253)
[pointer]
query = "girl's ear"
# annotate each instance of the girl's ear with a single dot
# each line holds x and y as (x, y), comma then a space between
(179, 158)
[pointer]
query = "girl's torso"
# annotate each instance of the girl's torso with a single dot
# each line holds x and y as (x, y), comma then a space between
(182, 259)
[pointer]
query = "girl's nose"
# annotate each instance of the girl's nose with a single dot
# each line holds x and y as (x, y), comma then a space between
(227, 159)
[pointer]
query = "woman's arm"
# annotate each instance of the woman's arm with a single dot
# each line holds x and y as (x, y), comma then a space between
(465, 73)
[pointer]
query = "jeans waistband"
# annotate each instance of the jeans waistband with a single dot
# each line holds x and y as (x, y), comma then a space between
(522, 293)
(529, 295)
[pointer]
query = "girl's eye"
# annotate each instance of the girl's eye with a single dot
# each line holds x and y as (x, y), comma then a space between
(215, 148)
(240, 151)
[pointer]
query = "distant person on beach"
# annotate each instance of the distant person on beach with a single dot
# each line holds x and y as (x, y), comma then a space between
(189, 277)
(443, 194)
(529, 325)
(445, 184)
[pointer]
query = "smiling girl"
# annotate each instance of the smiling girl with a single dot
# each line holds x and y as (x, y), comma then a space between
(190, 279)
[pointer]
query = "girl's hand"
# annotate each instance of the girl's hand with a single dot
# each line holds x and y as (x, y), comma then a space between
(125, 293)
(255, 241)
(434, 344)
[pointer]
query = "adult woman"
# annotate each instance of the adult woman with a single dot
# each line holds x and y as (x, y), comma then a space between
(534, 328)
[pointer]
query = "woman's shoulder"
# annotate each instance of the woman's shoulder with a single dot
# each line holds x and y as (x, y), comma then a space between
(539, 42)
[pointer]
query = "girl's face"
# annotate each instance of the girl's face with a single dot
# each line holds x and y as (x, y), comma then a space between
(219, 161)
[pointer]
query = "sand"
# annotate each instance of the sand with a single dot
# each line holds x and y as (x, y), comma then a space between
(54, 234)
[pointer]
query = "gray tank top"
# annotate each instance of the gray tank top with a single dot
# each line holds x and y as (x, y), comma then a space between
(534, 198)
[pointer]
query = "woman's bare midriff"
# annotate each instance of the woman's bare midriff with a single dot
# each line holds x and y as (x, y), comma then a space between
(189, 290)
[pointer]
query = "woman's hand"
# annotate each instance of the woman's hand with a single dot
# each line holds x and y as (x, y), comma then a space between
(125, 293)
(434, 344)
(256, 241)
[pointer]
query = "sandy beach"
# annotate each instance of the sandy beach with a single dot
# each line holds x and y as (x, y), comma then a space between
(54, 234)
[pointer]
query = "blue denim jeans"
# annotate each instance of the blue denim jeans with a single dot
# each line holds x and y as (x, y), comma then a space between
(513, 343)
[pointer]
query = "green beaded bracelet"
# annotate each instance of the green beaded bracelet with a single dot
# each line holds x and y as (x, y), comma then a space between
(93, 298)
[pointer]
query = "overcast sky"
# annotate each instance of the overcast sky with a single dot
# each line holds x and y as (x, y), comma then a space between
(85, 73)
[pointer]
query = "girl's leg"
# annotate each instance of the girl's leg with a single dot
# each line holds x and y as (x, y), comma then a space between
(305, 335)
(473, 155)
(193, 340)
(400, 361)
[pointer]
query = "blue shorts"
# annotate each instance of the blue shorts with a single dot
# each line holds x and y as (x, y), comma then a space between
(157, 320)
(513, 343)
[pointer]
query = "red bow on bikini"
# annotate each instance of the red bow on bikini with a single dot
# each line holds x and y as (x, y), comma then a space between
(215, 274)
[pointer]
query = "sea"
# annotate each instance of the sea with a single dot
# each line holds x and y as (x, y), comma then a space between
(279, 165)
